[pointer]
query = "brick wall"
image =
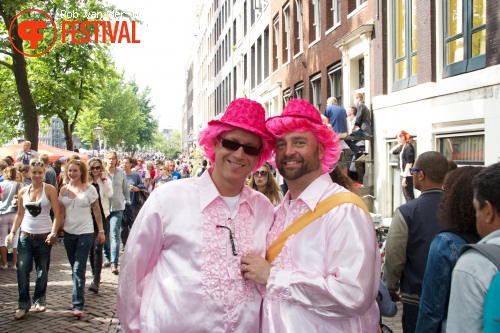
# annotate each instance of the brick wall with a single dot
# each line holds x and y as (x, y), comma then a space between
(492, 34)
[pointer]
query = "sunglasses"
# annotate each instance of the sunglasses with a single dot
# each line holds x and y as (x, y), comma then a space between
(261, 173)
(162, 169)
(95, 168)
(234, 146)
(416, 170)
(36, 163)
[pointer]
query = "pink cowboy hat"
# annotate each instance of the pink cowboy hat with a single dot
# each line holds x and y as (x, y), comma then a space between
(245, 114)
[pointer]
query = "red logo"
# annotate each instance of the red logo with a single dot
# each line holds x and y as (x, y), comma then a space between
(33, 31)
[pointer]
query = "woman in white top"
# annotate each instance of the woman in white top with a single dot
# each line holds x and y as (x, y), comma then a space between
(80, 200)
(38, 233)
(10, 187)
(104, 189)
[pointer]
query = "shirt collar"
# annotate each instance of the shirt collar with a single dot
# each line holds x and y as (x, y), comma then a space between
(312, 195)
(209, 192)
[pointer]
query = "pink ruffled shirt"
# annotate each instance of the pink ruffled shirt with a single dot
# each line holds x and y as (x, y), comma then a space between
(327, 276)
(179, 273)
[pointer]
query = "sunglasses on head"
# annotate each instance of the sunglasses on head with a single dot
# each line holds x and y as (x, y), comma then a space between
(261, 173)
(36, 163)
(234, 146)
(95, 168)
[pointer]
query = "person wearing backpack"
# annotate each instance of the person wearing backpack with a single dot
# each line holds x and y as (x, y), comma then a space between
(475, 274)
(457, 215)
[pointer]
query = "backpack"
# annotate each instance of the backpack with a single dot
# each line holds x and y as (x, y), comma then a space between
(491, 314)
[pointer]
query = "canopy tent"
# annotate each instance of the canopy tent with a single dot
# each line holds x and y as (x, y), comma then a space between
(53, 152)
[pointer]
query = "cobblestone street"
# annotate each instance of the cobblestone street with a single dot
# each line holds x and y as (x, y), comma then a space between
(99, 310)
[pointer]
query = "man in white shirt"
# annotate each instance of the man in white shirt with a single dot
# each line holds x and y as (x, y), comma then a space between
(27, 154)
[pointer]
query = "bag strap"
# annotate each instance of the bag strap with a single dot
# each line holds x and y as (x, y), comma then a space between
(490, 251)
(308, 217)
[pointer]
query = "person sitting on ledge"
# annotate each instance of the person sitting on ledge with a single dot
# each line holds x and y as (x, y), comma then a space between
(362, 127)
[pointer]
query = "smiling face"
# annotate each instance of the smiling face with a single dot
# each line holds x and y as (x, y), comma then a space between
(299, 154)
(232, 167)
(74, 173)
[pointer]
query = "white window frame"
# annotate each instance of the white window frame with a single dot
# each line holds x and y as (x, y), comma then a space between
(316, 91)
(317, 18)
(286, 14)
(299, 11)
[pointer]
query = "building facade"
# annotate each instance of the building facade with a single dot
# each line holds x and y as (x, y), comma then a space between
(428, 67)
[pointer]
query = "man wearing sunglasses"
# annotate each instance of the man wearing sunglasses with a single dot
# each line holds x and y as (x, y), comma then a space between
(413, 227)
(181, 270)
(325, 275)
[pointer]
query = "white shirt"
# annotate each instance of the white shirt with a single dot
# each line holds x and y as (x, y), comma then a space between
(78, 218)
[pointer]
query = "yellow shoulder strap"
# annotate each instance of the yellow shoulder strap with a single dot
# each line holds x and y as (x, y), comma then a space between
(308, 217)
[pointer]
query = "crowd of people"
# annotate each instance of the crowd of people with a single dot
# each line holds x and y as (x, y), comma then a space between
(262, 257)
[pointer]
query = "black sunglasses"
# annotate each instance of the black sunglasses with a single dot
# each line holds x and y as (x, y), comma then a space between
(416, 170)
(262, 173)
(95, 168)
(234, 146)
(37, 164)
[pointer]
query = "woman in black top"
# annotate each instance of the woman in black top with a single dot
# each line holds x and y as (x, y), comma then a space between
(406, 153)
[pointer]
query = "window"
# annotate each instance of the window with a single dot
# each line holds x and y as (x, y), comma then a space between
(334, 18)
(298, 47)
(361, 66)
(259, 66)
(335, 82)
(266, 52)
(316, 91)
(405, 43)
(315, 18)
(286, 34)
(464, 36)
(287, 95)
(276, 42)
(252, 66)
(245, 23)
(463, 148)
(299, 90)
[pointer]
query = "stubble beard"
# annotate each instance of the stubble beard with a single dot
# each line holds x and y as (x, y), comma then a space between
(308, 166)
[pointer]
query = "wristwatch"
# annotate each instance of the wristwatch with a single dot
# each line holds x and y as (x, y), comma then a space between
(101, 231)
(53, 235)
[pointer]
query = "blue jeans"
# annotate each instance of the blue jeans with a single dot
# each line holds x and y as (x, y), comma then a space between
(113, 236)
(28, 250)
(359, 134)
(77, 250)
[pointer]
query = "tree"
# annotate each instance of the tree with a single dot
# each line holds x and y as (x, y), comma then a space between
(18, 65)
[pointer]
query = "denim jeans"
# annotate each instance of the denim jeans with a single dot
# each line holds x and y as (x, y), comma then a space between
(28, 250)
(77, 250)
(112, 243)
(359, 134)
(95, 256)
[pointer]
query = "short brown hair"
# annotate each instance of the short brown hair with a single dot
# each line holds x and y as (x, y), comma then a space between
(44, 158)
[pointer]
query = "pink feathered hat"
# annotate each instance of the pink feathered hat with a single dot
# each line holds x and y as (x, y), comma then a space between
(301, 116)
(245, 114)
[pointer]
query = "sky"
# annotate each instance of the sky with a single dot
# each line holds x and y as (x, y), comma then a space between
(159, 60)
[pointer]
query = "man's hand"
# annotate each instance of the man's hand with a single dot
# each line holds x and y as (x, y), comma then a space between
(256, 268)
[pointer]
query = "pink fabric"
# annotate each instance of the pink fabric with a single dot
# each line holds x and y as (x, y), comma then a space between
(179, 273)
(327, 276)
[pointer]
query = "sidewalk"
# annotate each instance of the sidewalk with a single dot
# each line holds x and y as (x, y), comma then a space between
(99, 310)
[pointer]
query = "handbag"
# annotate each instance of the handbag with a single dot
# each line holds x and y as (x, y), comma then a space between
(15, 200)
(142, 196)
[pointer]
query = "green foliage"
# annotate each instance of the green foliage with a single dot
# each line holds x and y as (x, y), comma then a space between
(76, 82)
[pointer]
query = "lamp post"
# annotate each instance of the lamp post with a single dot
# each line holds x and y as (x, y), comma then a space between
(98, 130)
(122, 143)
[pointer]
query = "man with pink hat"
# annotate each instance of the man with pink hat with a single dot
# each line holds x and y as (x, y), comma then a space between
(181, 270)
(322, 271)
